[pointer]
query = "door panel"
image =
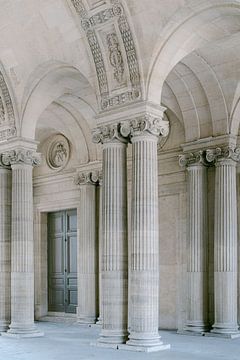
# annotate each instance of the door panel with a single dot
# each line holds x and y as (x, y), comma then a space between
(62, 261)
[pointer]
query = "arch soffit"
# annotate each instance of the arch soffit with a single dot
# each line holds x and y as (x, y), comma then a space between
(189, 24)
(47, 84)
(57, 119)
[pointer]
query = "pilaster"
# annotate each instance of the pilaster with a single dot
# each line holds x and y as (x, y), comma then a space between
(87, 256)
(5, 246)
(197, 246)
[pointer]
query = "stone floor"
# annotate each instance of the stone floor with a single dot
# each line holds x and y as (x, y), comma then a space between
(65, 341)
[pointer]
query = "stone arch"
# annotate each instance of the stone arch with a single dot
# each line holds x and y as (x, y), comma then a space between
(235, 112)
(53, 83)
(186, 31)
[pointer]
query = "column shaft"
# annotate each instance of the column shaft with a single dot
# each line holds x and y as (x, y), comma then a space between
(197, 274)
(225, 249)
(22, 255)
(144, 275)
(87, 256)
(5, 251)
(114, 251)
(100, 245)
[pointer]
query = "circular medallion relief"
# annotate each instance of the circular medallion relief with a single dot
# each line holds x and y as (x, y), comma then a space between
(58, 152)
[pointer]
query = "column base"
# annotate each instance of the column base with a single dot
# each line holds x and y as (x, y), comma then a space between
(224, 332)
(144, 343)
(86, 320)
(4, 326)
(99, 321)
(194, 329)
(146, 349)
(18, 332)
(111, 339)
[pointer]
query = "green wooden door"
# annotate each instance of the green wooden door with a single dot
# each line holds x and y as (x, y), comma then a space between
(62, 261)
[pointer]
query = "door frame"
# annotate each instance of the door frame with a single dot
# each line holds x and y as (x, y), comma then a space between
(41, 252)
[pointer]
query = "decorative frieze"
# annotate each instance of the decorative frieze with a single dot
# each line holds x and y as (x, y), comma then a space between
(21, 156)
(118, 45)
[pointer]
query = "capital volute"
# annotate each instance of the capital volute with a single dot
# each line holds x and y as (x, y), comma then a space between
(88, 178)
(145, 125)
(221, 154)
(21, 156)
(108, 133)
(193, 159)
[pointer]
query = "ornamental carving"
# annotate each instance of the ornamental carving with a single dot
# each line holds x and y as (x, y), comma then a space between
(193, 158)
(119, 45)
(21, 156)
(87, 177)
(224, 153)
(145, 124)
(108, 133)
(58, 152)
(115, 56)
(7, 116)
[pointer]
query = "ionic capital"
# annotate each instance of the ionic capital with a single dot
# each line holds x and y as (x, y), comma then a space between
(193, 158)
(88, 178)
(108, 133)
(227, 153)
(21, 156)
(144, 125)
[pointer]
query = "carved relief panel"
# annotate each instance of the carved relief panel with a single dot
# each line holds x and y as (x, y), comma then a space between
(7, 116)
(113, 50)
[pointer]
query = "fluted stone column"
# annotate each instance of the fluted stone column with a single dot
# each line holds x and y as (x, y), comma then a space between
(100, 246)
(197, 264)
(87, 249)
(144, 270)
(22, 266)
(5, 243)
(114, 232)
(225, 242)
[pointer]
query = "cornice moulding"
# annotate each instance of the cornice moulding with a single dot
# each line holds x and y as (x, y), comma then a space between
(210, 142)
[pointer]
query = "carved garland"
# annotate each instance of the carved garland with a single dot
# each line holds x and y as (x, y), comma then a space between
(115, 13)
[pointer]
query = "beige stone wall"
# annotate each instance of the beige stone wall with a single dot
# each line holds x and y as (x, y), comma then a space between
(56, 190)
